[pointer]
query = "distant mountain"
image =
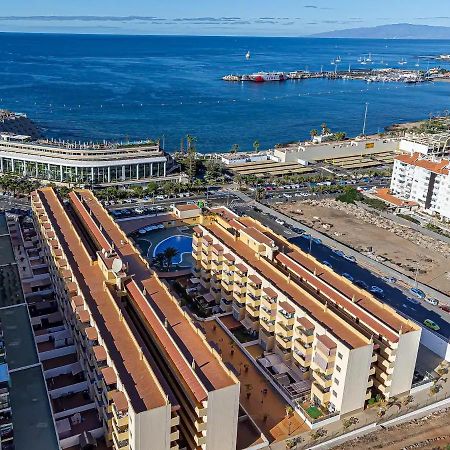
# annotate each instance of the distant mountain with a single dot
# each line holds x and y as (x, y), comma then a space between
(393, 31)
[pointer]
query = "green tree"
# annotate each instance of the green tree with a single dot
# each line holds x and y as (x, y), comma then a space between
(313, 133)
(234, 148)
(256, 146)
(325, 129)
(170, 253)
(191, 156)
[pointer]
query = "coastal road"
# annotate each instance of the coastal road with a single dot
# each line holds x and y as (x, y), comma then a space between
(394, 294)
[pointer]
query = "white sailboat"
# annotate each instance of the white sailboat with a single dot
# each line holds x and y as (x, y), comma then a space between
(248, 56)
(402, 62)
(338, 59)
(369, 59)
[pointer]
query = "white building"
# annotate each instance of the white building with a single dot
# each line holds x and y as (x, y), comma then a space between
(424, 181)
(69, 162)
(437, 145)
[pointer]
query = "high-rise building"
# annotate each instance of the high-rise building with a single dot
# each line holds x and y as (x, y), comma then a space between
(156, 381)
(424, 181)
(347, 344)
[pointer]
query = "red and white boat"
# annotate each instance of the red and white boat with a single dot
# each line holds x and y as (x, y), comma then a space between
(262, 77)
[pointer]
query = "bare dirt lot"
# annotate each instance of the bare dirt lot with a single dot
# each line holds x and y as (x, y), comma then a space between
(402, 248)
(429, 433)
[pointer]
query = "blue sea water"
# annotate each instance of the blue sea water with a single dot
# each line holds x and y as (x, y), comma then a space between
(93, 87)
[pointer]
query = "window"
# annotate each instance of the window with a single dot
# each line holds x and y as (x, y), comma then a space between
(335, 393)
(336, 382)
(338, 368)
(339, 355)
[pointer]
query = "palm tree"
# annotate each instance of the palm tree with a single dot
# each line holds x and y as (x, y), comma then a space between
(325, 129)
(159, 260)
(289, 414)
(313, 133)
(170, 253)
(234, 148)
(347, 423)
(407, 401)
(256, 146)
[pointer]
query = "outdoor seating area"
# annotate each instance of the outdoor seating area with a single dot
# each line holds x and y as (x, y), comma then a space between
(289, 380)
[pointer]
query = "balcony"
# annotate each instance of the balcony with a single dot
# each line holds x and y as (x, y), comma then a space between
(303, 359)
(252, 310)
(322, 394)
(285, 330)
(283, 342)
(325, 381)
(268, 325)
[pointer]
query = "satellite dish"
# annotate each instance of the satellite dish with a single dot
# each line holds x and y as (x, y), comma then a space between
(117, 265)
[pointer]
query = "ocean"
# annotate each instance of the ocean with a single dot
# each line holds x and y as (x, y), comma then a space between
(96, 87)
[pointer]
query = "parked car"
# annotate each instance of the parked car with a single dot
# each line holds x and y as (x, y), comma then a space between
(432, 301)
(279, 221)
(348, 276)
(432, 325)
(418, 293)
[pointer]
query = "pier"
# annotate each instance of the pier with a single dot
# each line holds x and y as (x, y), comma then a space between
(384, 75)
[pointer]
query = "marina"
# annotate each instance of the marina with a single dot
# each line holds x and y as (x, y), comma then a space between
(384, 75)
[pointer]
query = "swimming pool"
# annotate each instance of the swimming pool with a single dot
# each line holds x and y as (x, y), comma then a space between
(182, 243)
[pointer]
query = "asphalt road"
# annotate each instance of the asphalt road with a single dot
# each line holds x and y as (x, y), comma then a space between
(393, 293)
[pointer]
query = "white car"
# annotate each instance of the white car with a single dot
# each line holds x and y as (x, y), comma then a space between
(279, 221)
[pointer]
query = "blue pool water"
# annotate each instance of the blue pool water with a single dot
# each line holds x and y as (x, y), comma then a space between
(182, 243)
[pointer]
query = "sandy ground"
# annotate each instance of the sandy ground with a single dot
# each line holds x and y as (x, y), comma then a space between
(401, 254)
(429, 433)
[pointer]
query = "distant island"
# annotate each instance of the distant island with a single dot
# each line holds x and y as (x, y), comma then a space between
(392, 31)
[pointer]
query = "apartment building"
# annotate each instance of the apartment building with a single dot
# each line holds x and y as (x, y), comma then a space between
(423, 180)
(433, 145)
(348, 345)
(155, 381)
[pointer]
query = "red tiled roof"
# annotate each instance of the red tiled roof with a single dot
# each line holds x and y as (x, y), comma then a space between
(258, 236)
(305, 323)
(326, 341)
(254, 279)
(270, 292)
(109, 375)
(287, 307)
(439, 167)
(99, 353)
(384, 194)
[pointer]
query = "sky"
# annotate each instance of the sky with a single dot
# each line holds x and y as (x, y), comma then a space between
(214, 17)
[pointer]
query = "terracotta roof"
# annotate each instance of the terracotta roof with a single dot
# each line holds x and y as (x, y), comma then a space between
(270, 292)
(287, 307)
(109, 375)
(305, 323)
(236, 224)
(91, 333)
(94, 230)
(197, 230)
(258, 236)
(242, 268)
(84, 316)
(120, 401)
(326, 341)
(225, 213)
(217, 248)
(99, 353)
(380, 318)
(439, 167)
(384, 194)
(77, 301)
(229, 256)
(254, 279)
(187, 207)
